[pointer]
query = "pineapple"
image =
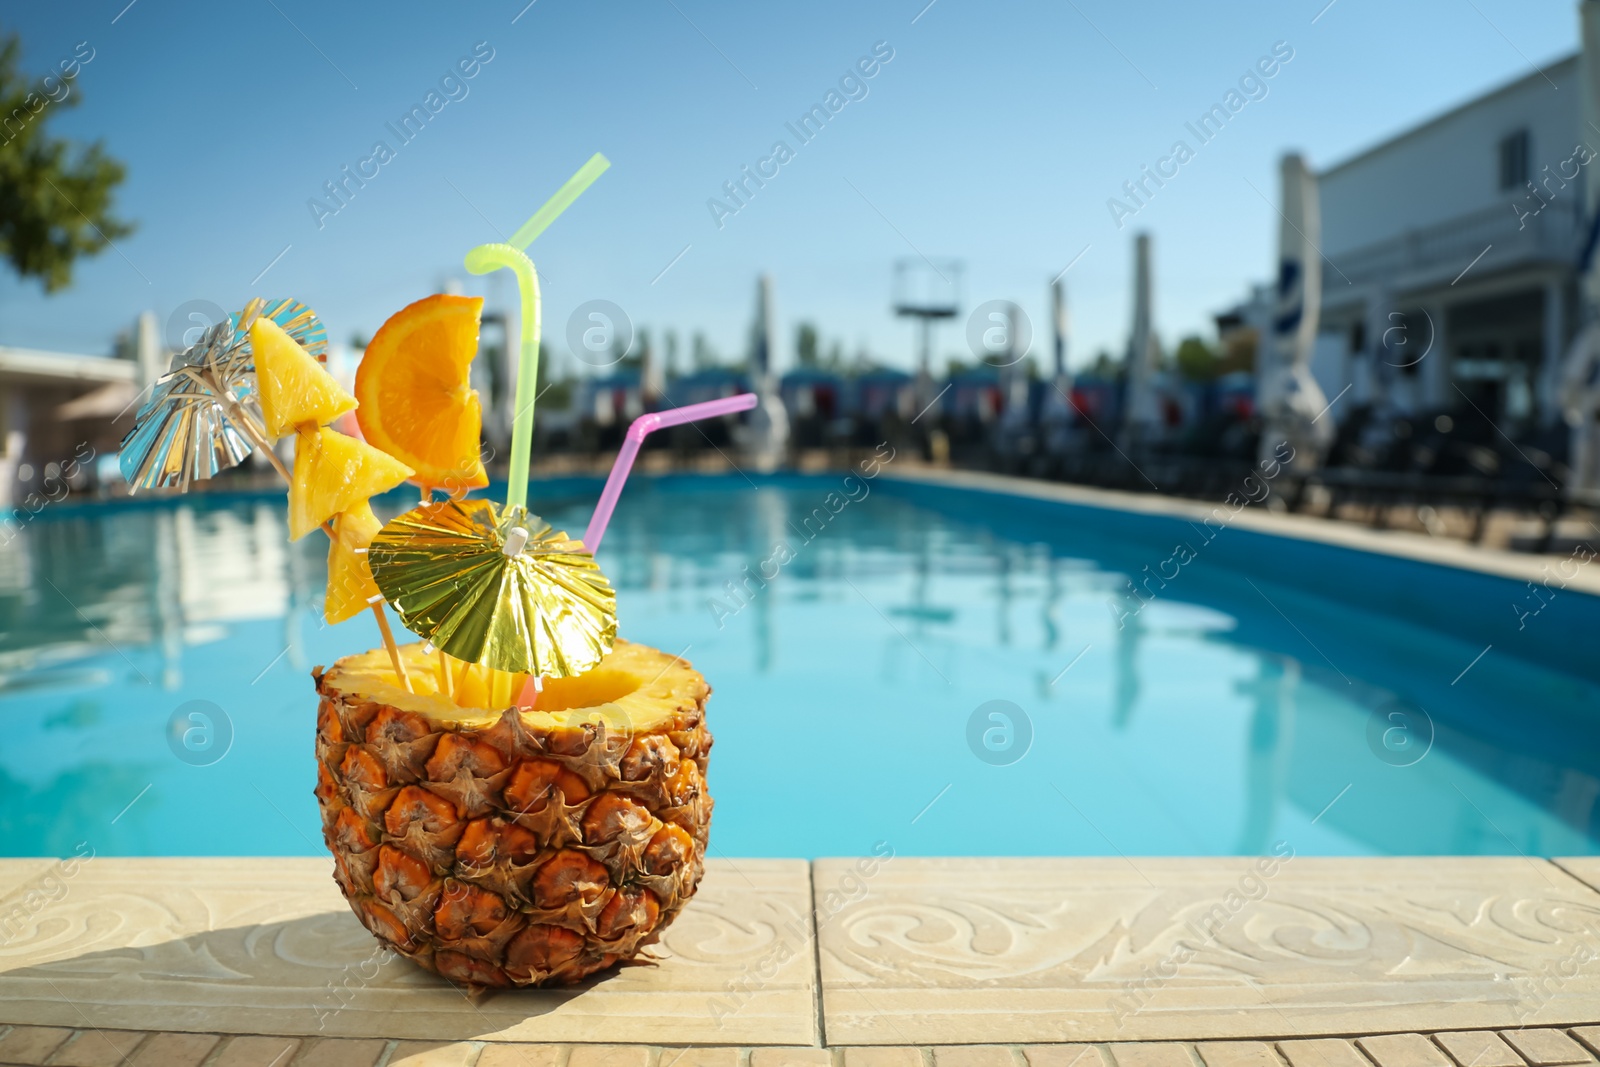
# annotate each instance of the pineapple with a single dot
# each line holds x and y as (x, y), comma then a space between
(350, 585)
(507, 847)
(333, 473)
(295, 389)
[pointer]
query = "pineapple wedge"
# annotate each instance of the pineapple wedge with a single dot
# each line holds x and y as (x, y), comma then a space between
(350, 584)
(295, 389)
(501, 847)
(333, 473)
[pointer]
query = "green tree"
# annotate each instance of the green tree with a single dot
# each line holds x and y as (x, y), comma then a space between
(555, 394)
(55, 201)
(805, 345)
(1197, 361)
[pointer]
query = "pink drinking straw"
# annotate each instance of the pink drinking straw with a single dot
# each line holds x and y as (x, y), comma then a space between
(642, 427)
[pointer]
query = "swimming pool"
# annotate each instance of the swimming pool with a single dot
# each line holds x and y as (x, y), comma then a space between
(931, 669)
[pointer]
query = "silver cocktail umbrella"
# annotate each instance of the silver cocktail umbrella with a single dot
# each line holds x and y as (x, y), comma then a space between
(204, 414)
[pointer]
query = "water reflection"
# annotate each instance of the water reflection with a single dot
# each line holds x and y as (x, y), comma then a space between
(1271, 697)
(1201, 723)
(161, 578)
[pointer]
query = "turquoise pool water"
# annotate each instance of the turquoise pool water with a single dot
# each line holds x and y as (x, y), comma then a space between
(946, 671)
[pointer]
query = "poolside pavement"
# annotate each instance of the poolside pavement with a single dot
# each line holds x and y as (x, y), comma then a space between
(1097, 962)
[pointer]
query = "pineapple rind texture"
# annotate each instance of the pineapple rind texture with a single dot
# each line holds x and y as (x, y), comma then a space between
(516, 849)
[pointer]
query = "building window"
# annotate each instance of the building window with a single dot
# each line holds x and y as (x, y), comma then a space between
(1514, 160)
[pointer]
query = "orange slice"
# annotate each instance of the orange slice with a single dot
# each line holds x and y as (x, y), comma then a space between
(350, 584)
(295, 389)
(416, 403)
(333, 473)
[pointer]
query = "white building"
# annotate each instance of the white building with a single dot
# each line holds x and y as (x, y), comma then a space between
(1451, 256)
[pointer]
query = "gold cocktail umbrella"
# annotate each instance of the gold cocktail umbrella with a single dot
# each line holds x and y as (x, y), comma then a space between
(496, 586)
(204, 415)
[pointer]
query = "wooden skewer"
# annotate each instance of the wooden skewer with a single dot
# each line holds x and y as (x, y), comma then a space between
(446, 683)
(327, 528)
(505, 688)
(259, 439)
(394, 650)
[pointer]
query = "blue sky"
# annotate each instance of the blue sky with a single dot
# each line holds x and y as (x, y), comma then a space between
(995, 134)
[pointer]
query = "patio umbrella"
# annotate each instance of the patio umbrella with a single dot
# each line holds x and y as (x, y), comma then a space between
(496, 586)
(106, 402)
(203, 416)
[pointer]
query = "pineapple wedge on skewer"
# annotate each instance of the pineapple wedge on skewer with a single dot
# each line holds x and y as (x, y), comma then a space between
(333, 473)
(295, 389)
(350, 584)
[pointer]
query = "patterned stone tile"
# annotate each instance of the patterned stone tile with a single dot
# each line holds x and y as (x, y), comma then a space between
(791, 1057)
(268, 946)
(19, 874)
(1238, 1054)
(433, 1054)
(1324, 1052)
(711, 1056)
(1478, 1048)
(98, 1048)
(974, 1056)
(257, 1052)
(1584, 868)
(1152, 1054)
(1403, 1050)
(32, 1044)
(972, 951)
(518, 1055)
(1064, 1056)
(341, 1052)
(174, 1050)
(611, 1056)
(1547, 1048)
(883, 1056)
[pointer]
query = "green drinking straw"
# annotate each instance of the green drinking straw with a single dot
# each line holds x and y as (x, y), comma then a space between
(490, 257)
(563, 199)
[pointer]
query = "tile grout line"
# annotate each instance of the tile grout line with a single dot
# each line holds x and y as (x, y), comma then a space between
(223, 1041)
(301, 1051)
(818, 1009)
(1555, 862)
(1571, 1030)
(1361, 1050)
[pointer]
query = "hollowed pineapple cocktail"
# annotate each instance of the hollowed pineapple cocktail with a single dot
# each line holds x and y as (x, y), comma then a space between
(525, 802)
(514, 847)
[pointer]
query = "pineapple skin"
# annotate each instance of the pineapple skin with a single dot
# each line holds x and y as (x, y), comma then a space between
(512, 854)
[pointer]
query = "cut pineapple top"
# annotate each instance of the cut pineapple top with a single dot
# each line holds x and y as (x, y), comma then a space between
(295, 389)
(635, 688)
